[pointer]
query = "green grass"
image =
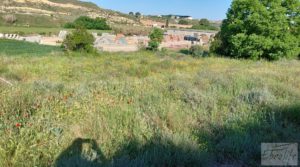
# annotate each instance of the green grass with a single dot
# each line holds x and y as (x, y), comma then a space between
(13, 48)
(144, 109)
(39, 30)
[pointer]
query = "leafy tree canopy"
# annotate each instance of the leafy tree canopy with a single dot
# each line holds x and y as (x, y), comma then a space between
(257, 29)
(89, 23)
(138, 14)
(183, 22)
(204, 22)
(79, 40)
(156, 37)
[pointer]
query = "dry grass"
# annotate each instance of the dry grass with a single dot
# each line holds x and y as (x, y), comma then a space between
(143, 109)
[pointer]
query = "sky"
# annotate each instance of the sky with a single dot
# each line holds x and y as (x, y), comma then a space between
(210, 9)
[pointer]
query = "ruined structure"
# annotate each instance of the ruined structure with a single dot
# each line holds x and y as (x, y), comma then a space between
(173, 39)
(118, 43)
(179, 38)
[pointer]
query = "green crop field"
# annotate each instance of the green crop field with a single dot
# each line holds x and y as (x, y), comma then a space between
(144, 109)
(39, 30)
(14, 48)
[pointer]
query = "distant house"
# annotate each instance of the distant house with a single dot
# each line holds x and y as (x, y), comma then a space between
(179, 17)
(184, 17)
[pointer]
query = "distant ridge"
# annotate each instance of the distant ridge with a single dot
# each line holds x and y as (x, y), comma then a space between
(54, 13)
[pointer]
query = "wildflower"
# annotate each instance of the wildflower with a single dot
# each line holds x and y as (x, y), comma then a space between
(18, 125)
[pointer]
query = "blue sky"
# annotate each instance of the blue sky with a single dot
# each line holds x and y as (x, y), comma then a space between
(211, 9)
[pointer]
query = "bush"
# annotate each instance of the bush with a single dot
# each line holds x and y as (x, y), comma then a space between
(69, 25)
(259, 30)
(204, 24)
(156, 38)
(257, 97)
(79, 40)
(89, 23)
(198, 51)
(183, 22)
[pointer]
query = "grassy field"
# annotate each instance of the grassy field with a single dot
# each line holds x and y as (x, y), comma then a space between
(39, 30)
(14, 48)
(144, 109)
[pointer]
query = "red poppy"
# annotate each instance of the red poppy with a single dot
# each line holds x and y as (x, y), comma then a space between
(18, 125)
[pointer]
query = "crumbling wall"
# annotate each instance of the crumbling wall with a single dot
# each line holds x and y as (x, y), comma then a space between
(119, 42)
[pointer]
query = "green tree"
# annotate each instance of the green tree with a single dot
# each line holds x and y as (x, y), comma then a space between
(138, 15)
(131, 13)
(79, 40)
(89, 23)
(156, 37)
(204, 22)
(183, 22)
(260, 29)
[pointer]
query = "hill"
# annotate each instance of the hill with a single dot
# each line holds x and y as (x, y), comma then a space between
(54, 13)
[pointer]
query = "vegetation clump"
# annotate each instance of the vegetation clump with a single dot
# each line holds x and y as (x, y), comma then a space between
(183, 22)
(204, 24)
(156, 37)
(89, 23)
(198, 51)
(79, 40)
(260, 29)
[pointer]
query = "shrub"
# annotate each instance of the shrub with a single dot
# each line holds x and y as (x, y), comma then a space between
(257, 97)
(183, 22)
(138, 15)
(204, 24)
(69, 25)
(156, 37)
(198, 51)
(153, 45)
(79, 40)
(89, 23)
(260, 30)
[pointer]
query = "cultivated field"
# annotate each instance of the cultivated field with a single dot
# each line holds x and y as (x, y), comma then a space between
(143, 109)
(12, 47)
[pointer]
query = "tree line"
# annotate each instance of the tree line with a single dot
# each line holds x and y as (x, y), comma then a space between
(89, 23)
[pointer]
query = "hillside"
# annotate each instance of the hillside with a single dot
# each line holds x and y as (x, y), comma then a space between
(54, 13)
